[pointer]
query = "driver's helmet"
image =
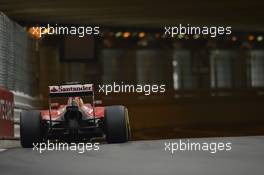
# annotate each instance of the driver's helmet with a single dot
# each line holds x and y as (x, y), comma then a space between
(75, 101)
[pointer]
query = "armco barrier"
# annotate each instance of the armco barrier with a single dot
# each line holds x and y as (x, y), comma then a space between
(6, 114)
(12, 103)
(22, 102)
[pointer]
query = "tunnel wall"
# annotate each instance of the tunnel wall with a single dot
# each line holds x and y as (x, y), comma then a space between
(168, 117)
(198, 119)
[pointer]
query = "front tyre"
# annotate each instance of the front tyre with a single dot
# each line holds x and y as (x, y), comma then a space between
(30, 128)
(117, 124)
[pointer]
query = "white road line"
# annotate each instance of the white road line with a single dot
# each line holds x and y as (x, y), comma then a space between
(2, 149)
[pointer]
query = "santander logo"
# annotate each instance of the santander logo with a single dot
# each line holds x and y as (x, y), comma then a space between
(71, 88)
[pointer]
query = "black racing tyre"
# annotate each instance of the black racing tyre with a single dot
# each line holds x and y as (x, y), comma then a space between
(30, 128)
(116, 124)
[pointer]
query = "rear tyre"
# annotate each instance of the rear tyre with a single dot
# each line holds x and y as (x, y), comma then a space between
(30, 128)
(116, 124)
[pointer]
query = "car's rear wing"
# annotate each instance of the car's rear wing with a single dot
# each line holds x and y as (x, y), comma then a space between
(71, 90)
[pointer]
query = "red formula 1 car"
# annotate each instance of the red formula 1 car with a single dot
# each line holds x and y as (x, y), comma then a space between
(75, 121)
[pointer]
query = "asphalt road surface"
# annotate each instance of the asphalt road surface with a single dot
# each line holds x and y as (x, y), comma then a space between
(140, 157)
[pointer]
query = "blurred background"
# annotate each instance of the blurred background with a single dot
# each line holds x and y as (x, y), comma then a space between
(214, 86)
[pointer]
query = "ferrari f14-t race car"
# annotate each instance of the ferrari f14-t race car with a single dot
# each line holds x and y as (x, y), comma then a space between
(75, 121)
